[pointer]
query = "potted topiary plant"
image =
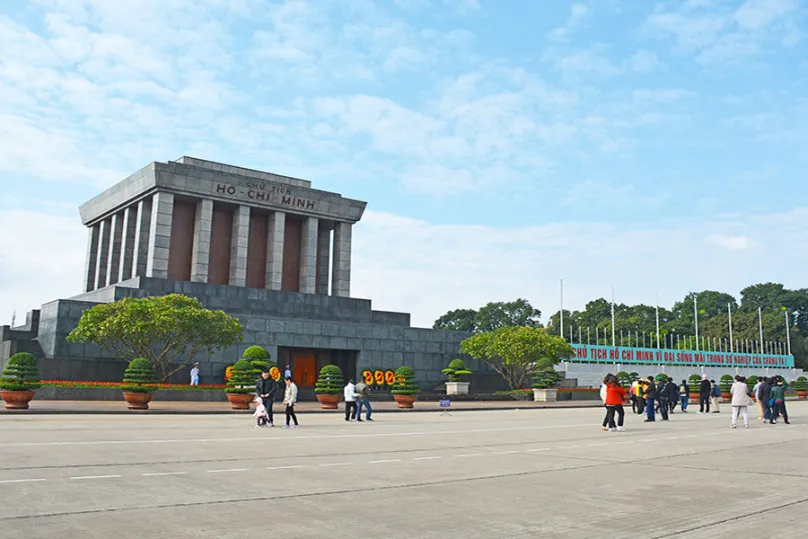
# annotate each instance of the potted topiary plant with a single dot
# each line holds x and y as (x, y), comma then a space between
(240, 388)
(624, 379)
(456, 369)
(545, 379)
(329, 387)
(801, 387)
(725, 384)
(20, 379)
(405, 387)
(139, 384)
(259, 357)
(694, 382)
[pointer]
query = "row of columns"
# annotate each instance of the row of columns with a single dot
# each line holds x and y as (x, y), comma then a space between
(137, 242)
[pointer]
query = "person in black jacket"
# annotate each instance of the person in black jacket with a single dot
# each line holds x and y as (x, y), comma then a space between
(266, 389)
(673, 394)
(662, 394)
(704, 394)
(651, 395)
(764, 396)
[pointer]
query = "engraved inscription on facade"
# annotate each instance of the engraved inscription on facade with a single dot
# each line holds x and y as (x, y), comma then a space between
(267, 194)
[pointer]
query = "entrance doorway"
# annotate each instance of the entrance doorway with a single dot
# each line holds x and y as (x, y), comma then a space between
(304, 369)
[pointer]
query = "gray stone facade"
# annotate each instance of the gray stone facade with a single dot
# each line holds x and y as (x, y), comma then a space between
(381, 340)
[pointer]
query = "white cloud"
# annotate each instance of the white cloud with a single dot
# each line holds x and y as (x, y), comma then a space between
(644, 61)
(663, 95)
(734, 243)
(579, 13)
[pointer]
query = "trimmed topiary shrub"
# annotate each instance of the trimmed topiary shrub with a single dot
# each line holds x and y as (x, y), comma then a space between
(752, 381)
(801, 384)
(624, 379)
(660, 377)
(330, 381)
(455, 370)
(259, 357)
(139, 377)
(21, 373)
(725, 383)
(242, 378)
(405, 383)
(694, 380)
(545, 375)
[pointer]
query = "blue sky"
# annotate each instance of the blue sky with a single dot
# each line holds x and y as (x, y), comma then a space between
(656, 146)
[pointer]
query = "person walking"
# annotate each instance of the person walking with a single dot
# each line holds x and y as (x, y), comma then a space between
(640, 397)
(673, 394)
(756, 393)
(779, 398)
(289, 400)
(651, 395)
(715, 395)
(363, 401)
(266, 388)
(663, 392)
(704, 394)
(615, 396)
(740, 402)
(287, 373)
(349, 393)
(765, 399)
(684, 395)
(195, 375)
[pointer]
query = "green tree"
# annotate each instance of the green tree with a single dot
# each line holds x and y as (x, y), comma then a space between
(457, 320)
(514, 351)
(169, 331)
(497, 315)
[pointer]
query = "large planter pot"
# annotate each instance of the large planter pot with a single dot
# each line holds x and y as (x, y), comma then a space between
(802, 395)
(694, 398)
(17, 400)
(329, 402)
(404, 401)
(136, 400)
(726, 396)
(545, 395)
(457, 388)
(240, 401)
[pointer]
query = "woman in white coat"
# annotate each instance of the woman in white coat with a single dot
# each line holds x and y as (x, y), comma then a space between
(740, 401)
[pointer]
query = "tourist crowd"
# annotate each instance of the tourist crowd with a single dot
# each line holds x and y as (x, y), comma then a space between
(663, 395)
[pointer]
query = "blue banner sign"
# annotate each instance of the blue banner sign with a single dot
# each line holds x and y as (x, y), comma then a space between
(588, 353)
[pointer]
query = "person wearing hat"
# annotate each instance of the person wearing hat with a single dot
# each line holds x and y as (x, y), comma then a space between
(195, 375)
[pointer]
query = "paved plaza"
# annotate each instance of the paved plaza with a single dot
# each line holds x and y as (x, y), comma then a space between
(494, 474)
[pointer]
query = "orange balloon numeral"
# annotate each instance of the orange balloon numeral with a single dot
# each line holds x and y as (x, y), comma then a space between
(379, 375)
(390, 377)
(368, 376)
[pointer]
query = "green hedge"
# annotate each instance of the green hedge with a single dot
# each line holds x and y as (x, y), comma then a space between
(405, 383)
(139, 376)
(242, 379)
(330, 381)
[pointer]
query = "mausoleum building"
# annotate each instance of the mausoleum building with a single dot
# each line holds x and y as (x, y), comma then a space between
(267, 249)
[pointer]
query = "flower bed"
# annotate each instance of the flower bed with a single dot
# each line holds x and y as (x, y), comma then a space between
(76, 384)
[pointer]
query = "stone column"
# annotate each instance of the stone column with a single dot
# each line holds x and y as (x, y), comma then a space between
(142, 228)
(128, 247)
(308, 256)
(275, 237)
(160, 235)
(115, 243)
(323, 258)
(239, 245)
(102, 258)
(203, 225)
(341, 280)
(93, 234)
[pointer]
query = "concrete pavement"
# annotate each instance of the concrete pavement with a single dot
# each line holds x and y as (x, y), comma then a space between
(497, 474)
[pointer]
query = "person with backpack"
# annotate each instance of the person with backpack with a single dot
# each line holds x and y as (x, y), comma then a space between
(715, 395)
(684, 395)
(640, 392)
(779, 397)
(704, 394)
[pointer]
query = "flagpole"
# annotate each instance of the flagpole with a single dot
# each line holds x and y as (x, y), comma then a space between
(760, 325)
(562, 309)
(613, 331)
(696, 311)
(729, 310)
(657, 321)
(788, 335)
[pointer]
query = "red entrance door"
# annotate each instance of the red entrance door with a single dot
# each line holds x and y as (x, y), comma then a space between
(304, 369)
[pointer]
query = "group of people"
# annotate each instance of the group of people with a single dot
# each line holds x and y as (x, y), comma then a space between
(357, 396)
(265, 390)
(650, 395)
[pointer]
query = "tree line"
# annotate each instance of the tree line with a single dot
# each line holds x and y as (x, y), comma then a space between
(636, 324)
